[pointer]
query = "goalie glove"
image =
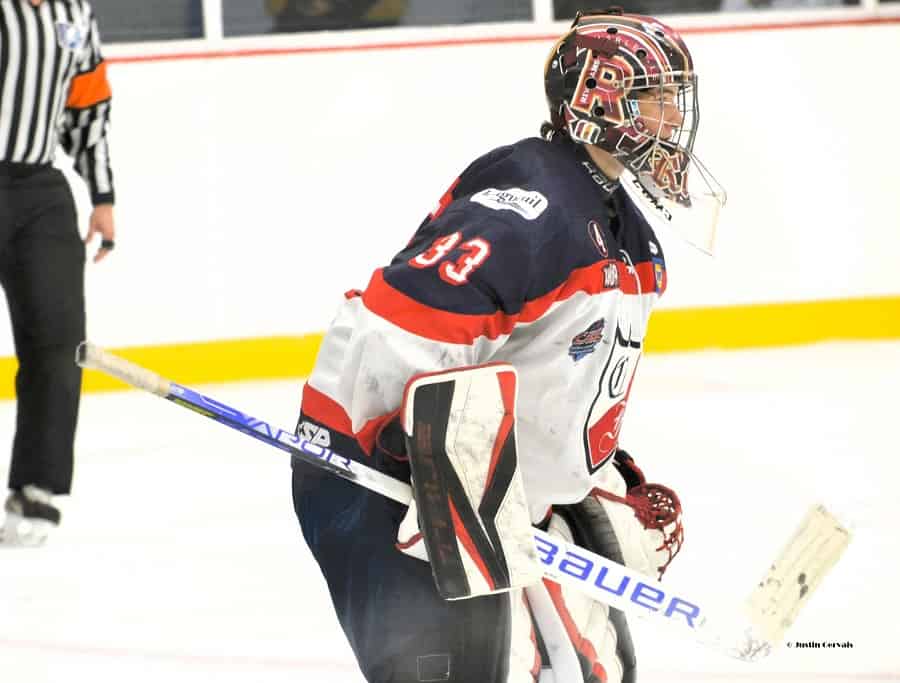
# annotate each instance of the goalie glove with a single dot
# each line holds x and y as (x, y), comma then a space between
(646, 517)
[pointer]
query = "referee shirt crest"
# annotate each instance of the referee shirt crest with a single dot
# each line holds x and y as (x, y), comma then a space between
(70, 36)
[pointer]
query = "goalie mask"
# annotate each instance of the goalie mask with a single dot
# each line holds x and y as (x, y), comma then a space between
(626, 83)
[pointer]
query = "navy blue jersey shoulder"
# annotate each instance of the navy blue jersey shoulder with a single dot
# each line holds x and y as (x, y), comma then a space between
(515, 226)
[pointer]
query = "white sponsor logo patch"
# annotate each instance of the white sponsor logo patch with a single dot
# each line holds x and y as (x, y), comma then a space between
(527, 203)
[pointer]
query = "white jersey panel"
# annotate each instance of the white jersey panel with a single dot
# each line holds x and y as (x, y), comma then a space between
(575, 366)
(365, 361)
(572, 400)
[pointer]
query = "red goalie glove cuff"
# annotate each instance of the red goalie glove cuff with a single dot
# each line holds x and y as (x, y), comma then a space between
(655, 506)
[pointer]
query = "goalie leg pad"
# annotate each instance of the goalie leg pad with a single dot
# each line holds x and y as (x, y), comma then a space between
(470, 499)
(585, 640)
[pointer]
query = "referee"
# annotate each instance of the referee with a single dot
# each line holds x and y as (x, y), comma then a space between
(53, 90)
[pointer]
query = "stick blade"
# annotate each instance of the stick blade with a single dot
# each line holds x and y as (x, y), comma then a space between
(810, 554)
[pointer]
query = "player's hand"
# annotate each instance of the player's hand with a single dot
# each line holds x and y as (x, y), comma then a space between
(102, 223)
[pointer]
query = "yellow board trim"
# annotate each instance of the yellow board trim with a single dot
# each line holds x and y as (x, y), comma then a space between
(767, 325)
(201, 362)
(685, 329)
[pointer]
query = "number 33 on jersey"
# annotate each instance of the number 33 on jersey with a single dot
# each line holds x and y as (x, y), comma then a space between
(475, 252)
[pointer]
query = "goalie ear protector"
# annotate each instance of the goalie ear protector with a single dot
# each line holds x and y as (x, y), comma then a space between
(473, 515)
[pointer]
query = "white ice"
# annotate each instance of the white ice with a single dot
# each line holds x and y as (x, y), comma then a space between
(179, 558)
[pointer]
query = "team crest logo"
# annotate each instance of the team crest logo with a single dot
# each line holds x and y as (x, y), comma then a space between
(659, 272)
(596, 233)
(69, 36)
(584, 343)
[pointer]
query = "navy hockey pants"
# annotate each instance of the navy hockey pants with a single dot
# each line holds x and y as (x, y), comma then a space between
(398, 626)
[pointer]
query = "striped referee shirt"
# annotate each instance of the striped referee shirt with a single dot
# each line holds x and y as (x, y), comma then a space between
(53, 89)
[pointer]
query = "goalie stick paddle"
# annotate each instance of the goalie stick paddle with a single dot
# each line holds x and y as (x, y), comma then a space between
(811, 552)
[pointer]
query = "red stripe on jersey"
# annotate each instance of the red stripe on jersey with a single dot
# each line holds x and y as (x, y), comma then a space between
(463, 535)
(584, 646)
(328, 412)
(325, 410)
(464, 328)
(432, 323)
(366, 436)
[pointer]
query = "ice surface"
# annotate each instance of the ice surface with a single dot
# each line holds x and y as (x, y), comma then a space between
(179, 558)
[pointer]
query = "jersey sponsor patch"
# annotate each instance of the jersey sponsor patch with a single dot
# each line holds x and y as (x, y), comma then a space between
(585, 342)
(529, 204)
(611, 276)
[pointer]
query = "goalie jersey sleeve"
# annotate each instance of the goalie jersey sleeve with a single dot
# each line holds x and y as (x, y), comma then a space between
(528, 258)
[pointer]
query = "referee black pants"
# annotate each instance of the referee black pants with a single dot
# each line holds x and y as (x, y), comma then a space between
(42, 273)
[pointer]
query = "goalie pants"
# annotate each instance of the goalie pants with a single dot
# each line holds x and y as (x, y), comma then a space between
(399, 628)
(42, 273)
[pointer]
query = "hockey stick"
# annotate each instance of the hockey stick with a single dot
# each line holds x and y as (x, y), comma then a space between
(793, 576)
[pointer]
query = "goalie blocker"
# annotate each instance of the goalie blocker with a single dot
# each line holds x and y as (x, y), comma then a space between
(469, 498)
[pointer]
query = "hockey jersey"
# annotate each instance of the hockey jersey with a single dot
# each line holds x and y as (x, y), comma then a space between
(532, 257)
